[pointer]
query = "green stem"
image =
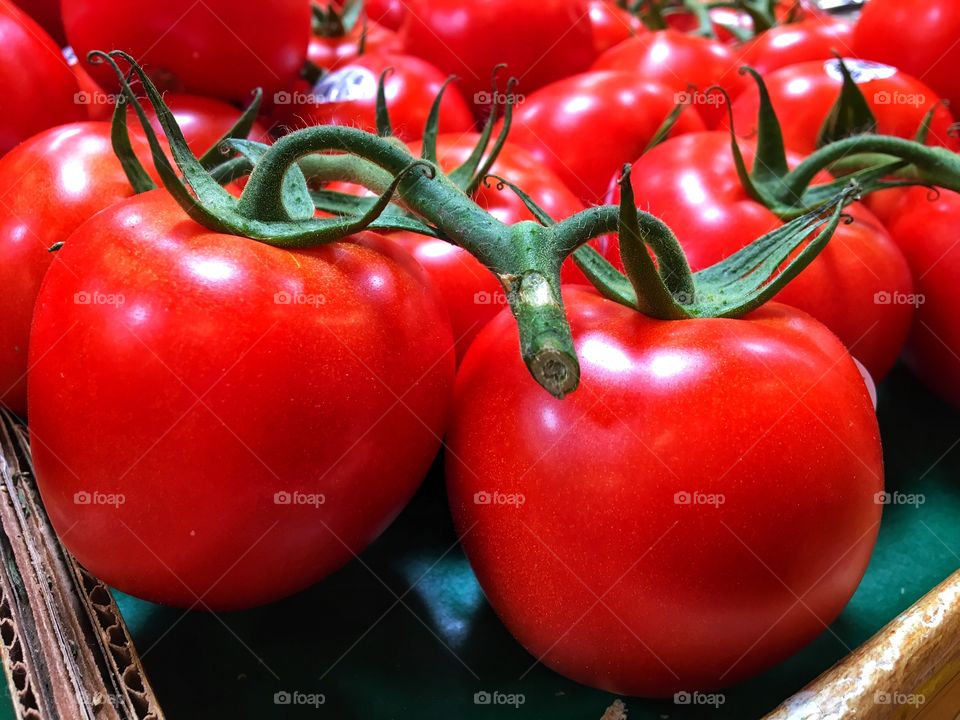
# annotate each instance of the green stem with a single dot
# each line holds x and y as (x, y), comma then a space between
(277, 208)
(936, 165)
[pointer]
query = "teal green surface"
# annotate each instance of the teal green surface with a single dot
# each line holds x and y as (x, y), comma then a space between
(425, 655)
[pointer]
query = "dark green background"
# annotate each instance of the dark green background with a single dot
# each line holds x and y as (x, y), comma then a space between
(205, 666)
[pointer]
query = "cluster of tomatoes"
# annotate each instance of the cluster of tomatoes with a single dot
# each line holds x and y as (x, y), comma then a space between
(219, 423)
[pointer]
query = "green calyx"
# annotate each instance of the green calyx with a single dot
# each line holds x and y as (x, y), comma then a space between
(762, 14)
(327, 21)
(279, 202)
(666, 288)
(849, 148)
(120, 136)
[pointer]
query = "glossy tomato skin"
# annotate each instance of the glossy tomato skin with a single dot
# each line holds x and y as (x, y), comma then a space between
(925, 228)
(470, 292)
(612, 25)
(919, 36)
(686, 63)
(330, 53)
(804, 41)
(49, 185)
(586, 127)
(803, 95)
(348, 96)
(652, 531)
(691, 183)
(219, 48)
(244, 401)
(539, 40)
(36, 84)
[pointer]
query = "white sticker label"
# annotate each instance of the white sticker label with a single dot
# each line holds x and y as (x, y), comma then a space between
(862, 71)
(352, 83)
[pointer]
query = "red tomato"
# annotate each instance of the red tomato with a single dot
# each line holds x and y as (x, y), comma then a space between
(47, 15)
(803, 94)
(652, 531)
(470, 292)
(586, 127)
(49, 185)
(681, 62)
(36, 84)
(926, 231)
(203, 120)
(219, 48)
(884, 204)
(612, 24)
(230, 408)
(918, 36)
(539, 40)
(812, 39)
(331, 52)
(691, 183)
(348, 96)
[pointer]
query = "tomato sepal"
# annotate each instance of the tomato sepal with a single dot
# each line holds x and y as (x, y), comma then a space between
(878, 162)
(735, 286)
(139, 179)
(240, 130)
(329, 22)
(850, 115)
